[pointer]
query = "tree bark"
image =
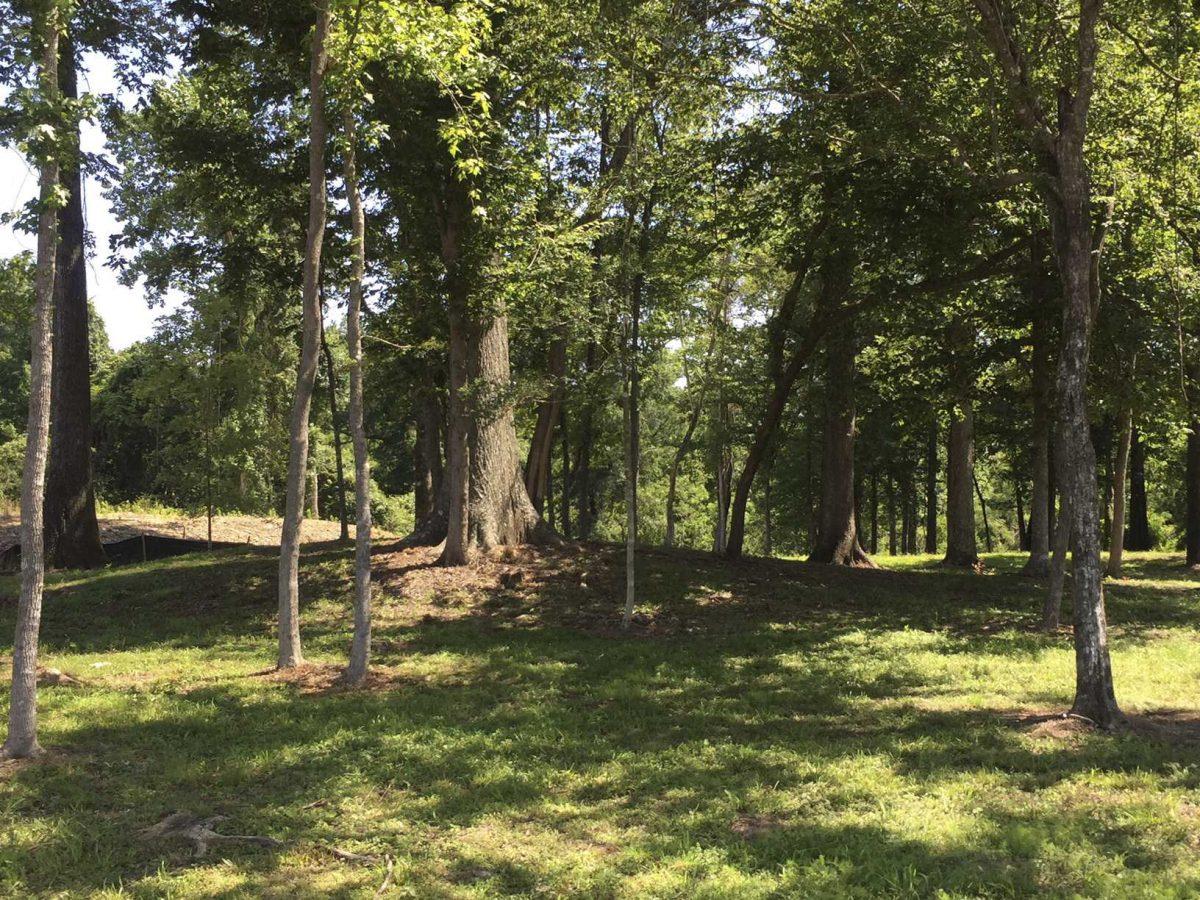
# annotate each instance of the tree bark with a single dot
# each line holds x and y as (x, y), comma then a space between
(1139, 537)
(931, 497)
(1040, 501)
(331, 386)
(290, 654)
(1052, 606)
(360, 646)
(1192, 536)
(837, 531)
(427, 458)
(565, 509)
(961, 549)
(1116, 547)
(633, 413)
(1057, 142)
(72, 538)
(22, 711)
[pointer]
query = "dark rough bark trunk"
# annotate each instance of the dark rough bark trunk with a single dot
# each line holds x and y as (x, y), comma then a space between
(541, 445)
(21, 740)
(1040, 501)
(1192, 535)
(456, 548)
(931, 495)
(331, 387)
(1022, 530)
(1138, 537)
(1052, 605)
(768, 518)
(987, 528)
(893, 543)
(290, 654)
(72, 537)
(427, 455)
(961, 549)
(837, 531)
(874, 511)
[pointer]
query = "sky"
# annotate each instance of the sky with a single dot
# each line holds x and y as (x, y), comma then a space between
(127, 318)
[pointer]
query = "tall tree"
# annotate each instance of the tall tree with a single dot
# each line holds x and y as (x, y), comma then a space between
(22, 738)
(290, 654)
(72, 532)
(1057, 141)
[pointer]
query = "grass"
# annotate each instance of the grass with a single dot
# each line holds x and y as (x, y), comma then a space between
(769, 729)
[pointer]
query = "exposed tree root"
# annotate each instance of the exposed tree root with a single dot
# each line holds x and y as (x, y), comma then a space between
(200, 832)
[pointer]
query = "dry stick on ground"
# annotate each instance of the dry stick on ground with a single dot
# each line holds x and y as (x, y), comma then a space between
(387, 877)
(22, 714)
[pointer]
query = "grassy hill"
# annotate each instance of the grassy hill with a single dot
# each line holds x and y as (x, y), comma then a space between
(767, 729)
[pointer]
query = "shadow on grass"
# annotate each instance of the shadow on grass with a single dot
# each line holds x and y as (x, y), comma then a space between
(764, 694)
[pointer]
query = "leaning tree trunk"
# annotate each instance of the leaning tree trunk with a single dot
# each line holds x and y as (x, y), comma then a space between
(290, 654)
(961, 549)
(1038, 564)
(837, 530)
(360, 647)
(72, 534)
(22, 711)
(1117, 539)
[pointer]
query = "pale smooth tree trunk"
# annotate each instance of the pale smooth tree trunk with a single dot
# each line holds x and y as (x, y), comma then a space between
(22, 712)
(360, 647)
(1116, 547)
(290, 654)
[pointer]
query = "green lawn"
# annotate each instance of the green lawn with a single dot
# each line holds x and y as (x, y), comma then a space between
(770, 729)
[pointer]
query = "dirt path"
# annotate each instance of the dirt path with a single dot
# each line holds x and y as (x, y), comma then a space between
(255, 530)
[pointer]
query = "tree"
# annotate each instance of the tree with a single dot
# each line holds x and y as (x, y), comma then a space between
(1058, 145)
(290, 654)
(22, 713)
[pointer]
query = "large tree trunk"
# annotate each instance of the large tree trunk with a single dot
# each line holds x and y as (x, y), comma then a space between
(72, 533)
(1040, 501)
(360, 647)
(501, 513)
(331, 386)
(1139, 537)
(22, 710)
(837, 531)
(961, 549)
(1117, 539)
(290, 654)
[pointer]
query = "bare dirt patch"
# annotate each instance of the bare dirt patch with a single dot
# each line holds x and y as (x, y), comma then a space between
(1173, 725)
